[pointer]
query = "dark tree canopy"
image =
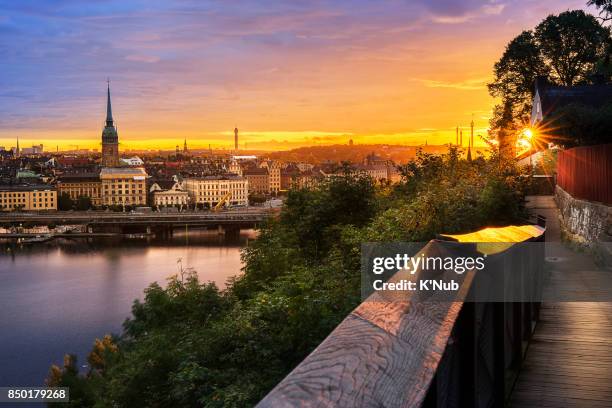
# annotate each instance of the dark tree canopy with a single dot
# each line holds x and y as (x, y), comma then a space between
(64, 202)
(514, 73)
(571, 44)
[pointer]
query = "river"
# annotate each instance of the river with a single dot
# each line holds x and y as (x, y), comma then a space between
(57, 297)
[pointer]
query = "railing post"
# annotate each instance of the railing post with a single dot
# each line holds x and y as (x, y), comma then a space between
(468, 355)
(499, 355)
(517, 335)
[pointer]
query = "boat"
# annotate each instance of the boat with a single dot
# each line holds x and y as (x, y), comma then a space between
(36, 239)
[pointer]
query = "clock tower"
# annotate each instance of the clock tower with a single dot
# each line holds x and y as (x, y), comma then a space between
(110, 138)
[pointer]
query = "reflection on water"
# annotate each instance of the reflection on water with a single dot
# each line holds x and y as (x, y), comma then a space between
(57, 296)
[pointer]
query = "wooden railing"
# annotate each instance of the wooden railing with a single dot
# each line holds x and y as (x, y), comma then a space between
(423, 351)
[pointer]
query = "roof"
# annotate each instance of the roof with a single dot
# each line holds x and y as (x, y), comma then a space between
(166, 184)
(255, 171)
(122, 171)
(554, 97)
(26, 187)
(229, 176)
(80, 176)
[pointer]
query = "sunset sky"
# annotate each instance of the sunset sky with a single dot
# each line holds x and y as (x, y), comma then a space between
(286, 73)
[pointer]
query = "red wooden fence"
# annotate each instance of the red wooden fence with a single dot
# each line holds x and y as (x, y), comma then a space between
(585, 172)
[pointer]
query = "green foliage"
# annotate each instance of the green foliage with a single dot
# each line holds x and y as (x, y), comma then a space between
(580, 125)
(189, 344)
(83, 203)
(316, 214)
(64, 202)
(445, 194)
(571, 44)
(257, 198)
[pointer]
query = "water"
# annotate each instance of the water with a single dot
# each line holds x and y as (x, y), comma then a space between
(57, 297)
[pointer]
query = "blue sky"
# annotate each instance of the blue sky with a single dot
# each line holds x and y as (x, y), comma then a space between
(288, 73)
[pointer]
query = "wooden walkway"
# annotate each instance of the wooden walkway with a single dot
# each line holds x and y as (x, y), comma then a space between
(569, 359)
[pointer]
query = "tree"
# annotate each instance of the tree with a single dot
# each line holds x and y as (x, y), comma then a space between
(513, 78)
(571, 44)
(83, 203)
(64, 202)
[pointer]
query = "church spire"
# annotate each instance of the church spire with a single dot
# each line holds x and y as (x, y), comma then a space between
(109, 110)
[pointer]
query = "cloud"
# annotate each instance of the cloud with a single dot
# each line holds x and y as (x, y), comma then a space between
(461, 11)
(142, 58)
(464, 85)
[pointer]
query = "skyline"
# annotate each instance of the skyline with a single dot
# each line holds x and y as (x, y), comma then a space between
(321, 73)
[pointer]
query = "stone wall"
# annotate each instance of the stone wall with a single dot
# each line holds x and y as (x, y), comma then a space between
(583, 221)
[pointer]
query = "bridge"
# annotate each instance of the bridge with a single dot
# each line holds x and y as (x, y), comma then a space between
(165, 223)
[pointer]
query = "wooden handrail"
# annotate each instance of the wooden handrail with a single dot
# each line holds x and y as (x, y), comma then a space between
(385, 353)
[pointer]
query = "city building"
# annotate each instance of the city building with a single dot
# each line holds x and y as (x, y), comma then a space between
(274, 174)
(28, 198)
(293, 178)
(258, 180)
(210, 190)
(235, 167)
(35, 149)
(132, 161)
(110, 138)
(82, 184)
(377, 172)
(123, 186)
(247, 157)
(167, 193)
(236, 138)
(305, 166)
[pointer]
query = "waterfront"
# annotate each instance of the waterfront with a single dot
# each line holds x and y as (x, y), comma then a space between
(57, 297)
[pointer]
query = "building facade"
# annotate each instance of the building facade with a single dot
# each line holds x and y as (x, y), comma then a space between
(28, 198)
(110, 138)
(168, 193)
(132, 161)
(123, 186)
(274, 175)
(235, 167)
(293, 178)
(258, 180)
(210, 190)
(81, 185)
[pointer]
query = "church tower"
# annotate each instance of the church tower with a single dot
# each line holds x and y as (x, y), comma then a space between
(110, 138)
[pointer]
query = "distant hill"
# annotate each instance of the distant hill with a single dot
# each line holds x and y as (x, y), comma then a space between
(354, 153)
